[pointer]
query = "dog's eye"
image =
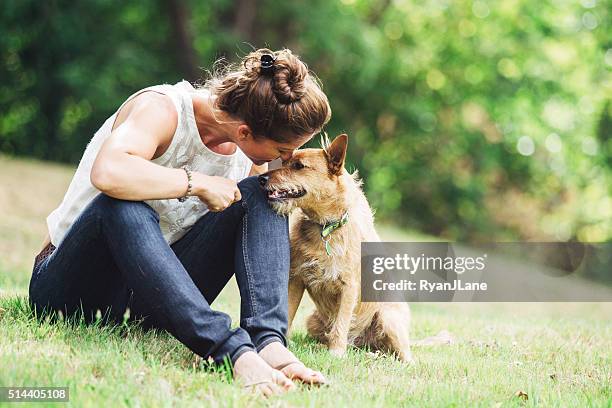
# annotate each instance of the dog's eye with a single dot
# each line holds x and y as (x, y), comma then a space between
(297, 165)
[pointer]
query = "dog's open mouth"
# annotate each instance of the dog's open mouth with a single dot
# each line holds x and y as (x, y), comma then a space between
(284, 194)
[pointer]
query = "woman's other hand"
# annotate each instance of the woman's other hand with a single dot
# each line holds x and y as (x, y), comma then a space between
(216, 192)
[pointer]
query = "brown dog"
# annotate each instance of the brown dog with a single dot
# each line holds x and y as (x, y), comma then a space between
(314, 189)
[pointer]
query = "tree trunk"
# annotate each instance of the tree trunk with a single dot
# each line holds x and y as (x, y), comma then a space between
(185, 53)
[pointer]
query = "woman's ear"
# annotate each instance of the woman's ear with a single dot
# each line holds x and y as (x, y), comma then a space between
(244, 132)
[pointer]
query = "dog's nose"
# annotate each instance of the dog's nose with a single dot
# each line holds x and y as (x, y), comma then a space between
(263, 179)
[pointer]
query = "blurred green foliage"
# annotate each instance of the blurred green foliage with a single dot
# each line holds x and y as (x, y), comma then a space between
(471, 120)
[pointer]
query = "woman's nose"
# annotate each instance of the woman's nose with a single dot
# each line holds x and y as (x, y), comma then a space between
(286, 156)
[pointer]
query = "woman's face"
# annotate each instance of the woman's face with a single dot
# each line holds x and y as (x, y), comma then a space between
(264, 150)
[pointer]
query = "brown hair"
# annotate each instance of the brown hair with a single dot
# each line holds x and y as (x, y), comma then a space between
(279, 106)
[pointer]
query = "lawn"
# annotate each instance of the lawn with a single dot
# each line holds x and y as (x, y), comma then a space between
(555, 354)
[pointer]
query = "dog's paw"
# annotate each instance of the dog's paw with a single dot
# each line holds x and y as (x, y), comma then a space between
(405, 356)
(407, 361)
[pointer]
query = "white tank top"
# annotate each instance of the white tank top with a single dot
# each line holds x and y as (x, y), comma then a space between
(186, 148)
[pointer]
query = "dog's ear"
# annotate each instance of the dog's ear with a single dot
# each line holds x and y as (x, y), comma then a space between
(336, 153)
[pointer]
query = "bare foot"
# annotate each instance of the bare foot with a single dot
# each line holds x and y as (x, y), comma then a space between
(278, 356)
(254, 373)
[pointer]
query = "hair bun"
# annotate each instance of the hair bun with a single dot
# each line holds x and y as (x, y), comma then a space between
(287, 71)
(289, 76)
(274, 93)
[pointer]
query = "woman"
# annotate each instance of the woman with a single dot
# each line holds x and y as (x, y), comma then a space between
(165, 207)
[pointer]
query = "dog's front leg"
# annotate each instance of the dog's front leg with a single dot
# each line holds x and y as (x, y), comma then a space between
(338, 335)
(296, 291)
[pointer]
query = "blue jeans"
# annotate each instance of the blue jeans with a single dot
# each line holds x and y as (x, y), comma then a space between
(115, 257)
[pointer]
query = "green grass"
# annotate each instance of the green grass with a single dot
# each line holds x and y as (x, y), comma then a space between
(556, 354)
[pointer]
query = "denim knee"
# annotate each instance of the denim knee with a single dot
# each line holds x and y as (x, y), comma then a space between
(255, 200)
(251, 189)
(123, 211)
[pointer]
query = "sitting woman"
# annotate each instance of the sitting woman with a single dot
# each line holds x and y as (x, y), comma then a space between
(165, 207)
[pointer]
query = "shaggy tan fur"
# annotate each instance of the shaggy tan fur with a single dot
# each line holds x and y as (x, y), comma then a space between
(314, 188)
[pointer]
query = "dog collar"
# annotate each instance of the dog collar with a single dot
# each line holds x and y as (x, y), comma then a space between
(327, 229)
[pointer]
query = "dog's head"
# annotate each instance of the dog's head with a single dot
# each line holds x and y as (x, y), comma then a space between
(309, 180)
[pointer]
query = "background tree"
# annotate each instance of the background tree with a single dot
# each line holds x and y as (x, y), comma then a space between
(469, 120)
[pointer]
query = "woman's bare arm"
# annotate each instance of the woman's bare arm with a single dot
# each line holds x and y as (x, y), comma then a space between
(123, 169)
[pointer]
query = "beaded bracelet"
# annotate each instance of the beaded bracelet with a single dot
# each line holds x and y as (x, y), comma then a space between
(189, 185)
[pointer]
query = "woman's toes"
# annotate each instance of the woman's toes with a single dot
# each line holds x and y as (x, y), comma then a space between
(277, 355)
(317, 377)
(258, 376)
(279, 389)
(304, 374)
(320, 377)
(282, 380)
(269, 389)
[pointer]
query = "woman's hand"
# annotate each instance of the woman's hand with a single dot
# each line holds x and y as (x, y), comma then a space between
(216, 192)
